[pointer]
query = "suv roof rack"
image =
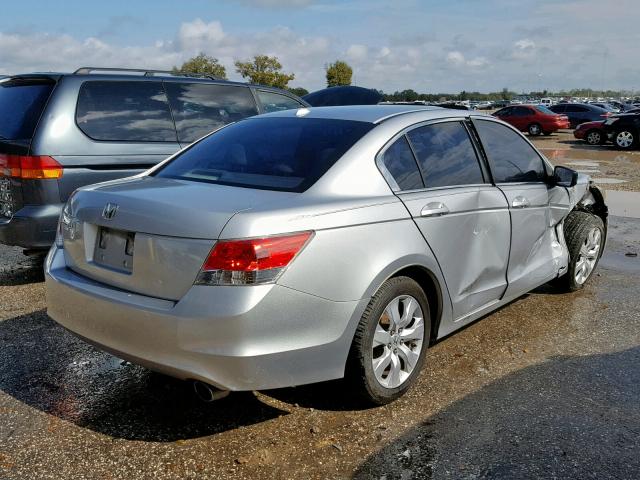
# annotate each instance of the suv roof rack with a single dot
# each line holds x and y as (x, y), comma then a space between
(145, 72)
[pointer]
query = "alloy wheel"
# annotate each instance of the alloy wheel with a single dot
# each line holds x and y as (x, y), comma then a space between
(588, 256)
(624, 139)
(594, 138)
(534, 129)
(398, 341)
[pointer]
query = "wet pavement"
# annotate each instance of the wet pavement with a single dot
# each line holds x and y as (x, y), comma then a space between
(548, 386)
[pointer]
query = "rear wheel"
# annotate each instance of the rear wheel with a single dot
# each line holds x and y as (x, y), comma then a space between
(625, 139)
(390, 343)
(594, 137)
(584, 235)
(534, 129)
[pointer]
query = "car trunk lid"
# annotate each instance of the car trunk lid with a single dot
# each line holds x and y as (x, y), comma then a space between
(151, 235)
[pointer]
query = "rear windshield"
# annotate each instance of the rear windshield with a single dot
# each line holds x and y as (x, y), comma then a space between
(21, 104)
(545, 110)
(287, 154)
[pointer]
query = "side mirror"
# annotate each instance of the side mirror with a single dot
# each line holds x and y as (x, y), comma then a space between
(565, 177)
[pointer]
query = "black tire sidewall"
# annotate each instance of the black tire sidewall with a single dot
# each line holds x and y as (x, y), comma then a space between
(534, 125)
(576, 230)
(391, 289)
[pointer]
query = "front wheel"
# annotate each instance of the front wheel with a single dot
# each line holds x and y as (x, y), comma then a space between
(594, 137)
(584, 234)
(390, 343)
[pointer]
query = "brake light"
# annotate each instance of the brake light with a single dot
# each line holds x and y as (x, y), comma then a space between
(29, 167)
(252, 261)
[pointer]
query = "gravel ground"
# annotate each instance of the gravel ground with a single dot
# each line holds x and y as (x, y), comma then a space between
(548, 386)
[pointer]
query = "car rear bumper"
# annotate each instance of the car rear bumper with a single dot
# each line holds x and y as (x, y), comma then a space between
(236, 338)
(33, 226)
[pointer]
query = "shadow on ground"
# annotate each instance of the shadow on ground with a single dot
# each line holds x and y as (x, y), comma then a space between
(570, 417)
(46, 367)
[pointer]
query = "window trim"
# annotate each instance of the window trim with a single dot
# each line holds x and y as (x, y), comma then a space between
(125, 142)
(548, 167)
(379, 159)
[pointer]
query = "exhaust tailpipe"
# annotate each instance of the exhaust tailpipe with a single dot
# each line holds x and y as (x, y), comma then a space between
(208, 393)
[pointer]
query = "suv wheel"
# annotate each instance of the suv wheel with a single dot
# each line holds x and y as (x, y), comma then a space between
(390, 343)
(584, 235)
(593, 137)
(625, 139)
(535, 129)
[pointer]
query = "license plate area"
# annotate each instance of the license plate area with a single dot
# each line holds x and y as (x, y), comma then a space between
(114, 249)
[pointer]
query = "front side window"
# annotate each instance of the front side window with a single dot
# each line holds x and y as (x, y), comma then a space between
(510, 156)
(446, 155)
(125, 112)
(274, 102)
(279, 153)
(399, 161)
(200, 108)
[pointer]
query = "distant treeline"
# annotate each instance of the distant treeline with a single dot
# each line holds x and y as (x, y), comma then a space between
(505, 94)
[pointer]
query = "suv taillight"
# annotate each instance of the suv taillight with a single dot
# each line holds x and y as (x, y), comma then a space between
(251, 262)
(29, 166)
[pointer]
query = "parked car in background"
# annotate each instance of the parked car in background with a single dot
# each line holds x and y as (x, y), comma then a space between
(580, 112)
(59, 132)
(343, 95)
(304, 246)
(607, 106)
(591, 132)
(547, 102)
(533, 119)
(623, 130)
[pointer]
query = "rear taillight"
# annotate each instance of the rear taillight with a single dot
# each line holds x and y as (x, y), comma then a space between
(252, 261)
(606, 115)
(29, 167)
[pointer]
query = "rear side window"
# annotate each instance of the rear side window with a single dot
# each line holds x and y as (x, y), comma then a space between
(511, 158)
(446, 155)
(200, 108)
(274, 102)
(399, 161)
(125, 112)
(287, 154)
(558, 108)
(21, 104)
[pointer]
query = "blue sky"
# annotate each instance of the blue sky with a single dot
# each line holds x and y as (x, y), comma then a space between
(430, 45)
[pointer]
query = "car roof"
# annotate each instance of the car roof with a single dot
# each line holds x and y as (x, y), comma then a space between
(368, 113)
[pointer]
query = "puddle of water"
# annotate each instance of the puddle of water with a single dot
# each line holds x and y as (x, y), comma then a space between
(609, 181)
(584, 163)
(623, 204)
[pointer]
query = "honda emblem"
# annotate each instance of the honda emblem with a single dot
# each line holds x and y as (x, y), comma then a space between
(109, 211)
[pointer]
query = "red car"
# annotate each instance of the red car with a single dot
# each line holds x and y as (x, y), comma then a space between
(534, 119)
(591, 132)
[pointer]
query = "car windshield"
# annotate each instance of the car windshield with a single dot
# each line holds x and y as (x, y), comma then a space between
(281, 153)
(545, 110)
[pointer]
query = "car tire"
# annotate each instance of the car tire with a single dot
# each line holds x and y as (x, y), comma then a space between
(396, 349)
(534, 129)
(594, 137)
(584, 235)
(625, 139)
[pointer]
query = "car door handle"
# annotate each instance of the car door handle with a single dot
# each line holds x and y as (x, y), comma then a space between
(434, 209)
(520, 202)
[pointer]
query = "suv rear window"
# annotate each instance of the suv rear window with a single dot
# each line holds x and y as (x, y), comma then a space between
(124, 111)
(199, 108)
(287, 154)
(21, 104)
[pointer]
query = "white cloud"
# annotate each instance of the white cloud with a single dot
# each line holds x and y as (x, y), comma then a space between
(456, 58)
(357, 52)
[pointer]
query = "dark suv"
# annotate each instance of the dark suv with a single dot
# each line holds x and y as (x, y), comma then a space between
(623, 130)
(580, 112)
(59, 132)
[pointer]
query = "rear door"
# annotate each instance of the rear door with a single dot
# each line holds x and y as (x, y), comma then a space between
(519, 172)
(22, 101)
(200, 108)
(463, 218)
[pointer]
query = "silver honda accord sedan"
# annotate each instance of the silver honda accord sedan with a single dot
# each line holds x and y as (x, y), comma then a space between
(314, 244)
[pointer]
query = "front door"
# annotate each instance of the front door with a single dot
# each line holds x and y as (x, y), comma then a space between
(519, 172)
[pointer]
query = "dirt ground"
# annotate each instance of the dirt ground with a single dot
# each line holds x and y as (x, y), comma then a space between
(547, 387)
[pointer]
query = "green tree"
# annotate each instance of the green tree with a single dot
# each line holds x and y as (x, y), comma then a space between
(264, 70)
(338, 73)
(299, 91)
(202, 64)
